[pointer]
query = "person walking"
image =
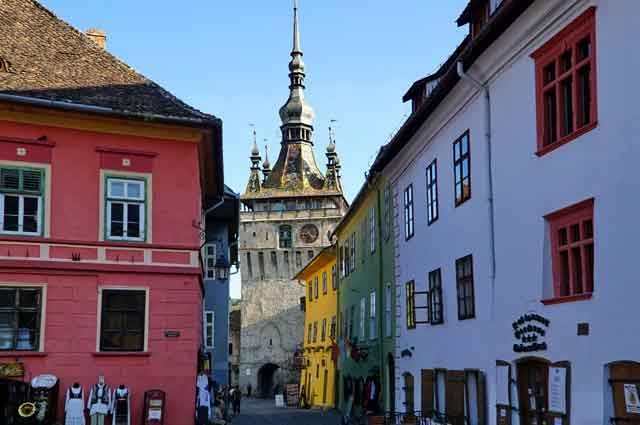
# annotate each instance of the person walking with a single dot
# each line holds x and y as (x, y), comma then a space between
(235, 400)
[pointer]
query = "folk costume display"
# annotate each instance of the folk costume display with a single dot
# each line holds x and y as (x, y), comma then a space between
(74, 405)
(121, 406)
(99, 402)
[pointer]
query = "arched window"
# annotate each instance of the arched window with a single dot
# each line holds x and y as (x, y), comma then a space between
(285, 236)
(408, 392)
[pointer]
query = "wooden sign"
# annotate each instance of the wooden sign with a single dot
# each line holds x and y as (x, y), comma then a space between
(11, 370)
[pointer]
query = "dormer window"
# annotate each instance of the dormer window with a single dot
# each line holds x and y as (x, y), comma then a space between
(476, 14)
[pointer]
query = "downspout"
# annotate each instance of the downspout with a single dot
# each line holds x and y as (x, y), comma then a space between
(492, 240)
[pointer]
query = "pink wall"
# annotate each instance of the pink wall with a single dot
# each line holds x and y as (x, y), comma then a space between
(175, 300)
(71, 335)
(76, 180)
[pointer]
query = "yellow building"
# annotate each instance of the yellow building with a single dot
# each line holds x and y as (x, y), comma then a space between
(319, 277)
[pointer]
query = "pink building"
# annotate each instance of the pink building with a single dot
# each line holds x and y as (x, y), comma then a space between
(104, 177)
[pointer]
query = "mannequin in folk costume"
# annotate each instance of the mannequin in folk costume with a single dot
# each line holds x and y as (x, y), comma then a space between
(74, 405)
(121, 406)
(203, 406)
(99, 402)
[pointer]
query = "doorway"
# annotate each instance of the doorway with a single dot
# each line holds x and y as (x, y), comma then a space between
(266, 382)
(533, 391)
(391, 376)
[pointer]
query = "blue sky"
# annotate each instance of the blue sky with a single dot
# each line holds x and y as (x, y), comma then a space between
(229, 58)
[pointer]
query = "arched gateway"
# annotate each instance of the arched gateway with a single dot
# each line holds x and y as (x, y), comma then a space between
(266, 379)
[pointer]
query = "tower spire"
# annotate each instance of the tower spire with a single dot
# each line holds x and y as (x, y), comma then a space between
(296, 31)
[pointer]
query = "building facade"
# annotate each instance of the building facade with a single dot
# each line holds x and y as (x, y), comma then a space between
(218, 254)
(320, 280)
(234, 342)
(366, 300)
(287, 214)
(102, 177)
(509, 178)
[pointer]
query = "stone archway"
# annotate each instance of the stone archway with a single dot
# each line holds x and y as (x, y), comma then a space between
(266, 381)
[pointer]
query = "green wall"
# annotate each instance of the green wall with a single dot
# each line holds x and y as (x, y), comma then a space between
(373, 272)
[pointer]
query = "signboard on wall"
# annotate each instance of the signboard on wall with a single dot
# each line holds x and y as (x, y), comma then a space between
(558, 390)
(631, 398)
(530, 330)
(11, 370)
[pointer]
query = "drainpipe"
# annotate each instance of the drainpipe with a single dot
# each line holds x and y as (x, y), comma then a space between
(492, 240)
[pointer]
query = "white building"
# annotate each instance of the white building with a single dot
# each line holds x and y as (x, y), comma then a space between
(539, 303)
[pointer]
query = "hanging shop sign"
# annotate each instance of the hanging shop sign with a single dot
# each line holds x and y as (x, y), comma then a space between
(11, 370)
(530, 330)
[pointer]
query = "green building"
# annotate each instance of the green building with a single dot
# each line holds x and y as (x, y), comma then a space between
(366, 307)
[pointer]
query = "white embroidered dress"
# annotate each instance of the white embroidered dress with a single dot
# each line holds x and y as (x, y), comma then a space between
(74, 407)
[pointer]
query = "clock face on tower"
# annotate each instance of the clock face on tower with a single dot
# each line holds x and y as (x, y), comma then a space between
(309, 233)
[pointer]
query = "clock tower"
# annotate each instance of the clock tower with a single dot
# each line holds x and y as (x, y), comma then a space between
(287, 214)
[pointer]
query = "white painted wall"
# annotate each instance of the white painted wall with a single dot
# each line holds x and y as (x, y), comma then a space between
(600, 164)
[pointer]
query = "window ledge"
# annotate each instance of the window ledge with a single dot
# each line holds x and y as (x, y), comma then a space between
(566, 139)
(18, 354)
(571, 298)
(122, 354)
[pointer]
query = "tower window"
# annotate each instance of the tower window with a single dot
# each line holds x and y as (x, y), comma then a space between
(285, 236)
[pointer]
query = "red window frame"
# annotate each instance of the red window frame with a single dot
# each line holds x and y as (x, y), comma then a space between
(572, 236)
(564, 77)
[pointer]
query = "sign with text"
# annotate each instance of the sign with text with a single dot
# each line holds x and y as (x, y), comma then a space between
(530, 330)
(558, 390)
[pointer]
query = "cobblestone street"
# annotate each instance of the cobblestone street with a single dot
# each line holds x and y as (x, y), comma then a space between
(263, 412)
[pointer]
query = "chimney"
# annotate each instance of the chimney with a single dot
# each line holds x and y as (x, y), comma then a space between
(98, 36)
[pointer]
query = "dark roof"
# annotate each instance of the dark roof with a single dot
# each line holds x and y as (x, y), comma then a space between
(46, 58)
(500, 21)
(420, 84)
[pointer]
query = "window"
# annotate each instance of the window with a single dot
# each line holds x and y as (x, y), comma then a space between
(408, 212)
(309, 254)
(249, 267)
(461, 168)
(208, 329)
(432, 192)
(286, 260)
(334, 277)
(572, 249)
(309, 333)
(21, 191)
(323, 335)
(20, 315)
(310, 291)
(122, 325)
(387, 311)
(410, 304)
(284, 233)
(352, 318)
(363, 235)
(566, 84)
(347, 259)
(274, 261)
(315, 331)
(332, 332)
(298, 259)
(387, 211)
(261, 264)
(324, 282)
(315, 287)
(372, 230)
(464, 279)
(352, 256)
(435, 297)
(126, 200)
(342, 261)
(363, 308)
(373, 324)
(209, 261)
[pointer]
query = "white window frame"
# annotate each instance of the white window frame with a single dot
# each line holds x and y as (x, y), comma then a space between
(387, 310)
(125, 200)
(206, 325)
(145, 348)
(363, 310)
(21, 195)
(209, 271)
(372, 316)
(372, 229)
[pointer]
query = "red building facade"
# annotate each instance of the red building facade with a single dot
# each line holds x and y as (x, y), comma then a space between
(103, 181)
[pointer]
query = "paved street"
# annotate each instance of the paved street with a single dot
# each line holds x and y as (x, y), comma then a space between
(263, 412)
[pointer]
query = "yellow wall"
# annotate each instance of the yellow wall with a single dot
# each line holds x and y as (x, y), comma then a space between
(323, 307)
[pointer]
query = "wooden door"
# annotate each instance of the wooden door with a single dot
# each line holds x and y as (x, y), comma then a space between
(533, 392)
